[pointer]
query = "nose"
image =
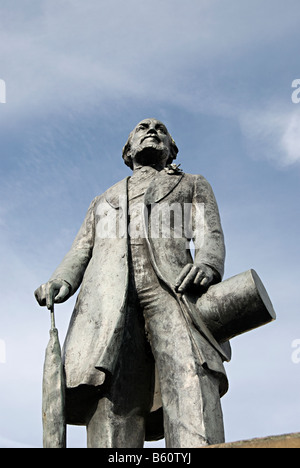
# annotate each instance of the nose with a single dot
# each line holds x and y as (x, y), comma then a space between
(152, 130)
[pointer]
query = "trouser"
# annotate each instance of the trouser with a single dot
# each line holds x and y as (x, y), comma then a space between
(156, 334)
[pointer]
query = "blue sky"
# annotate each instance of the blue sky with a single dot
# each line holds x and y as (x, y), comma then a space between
(79, 76)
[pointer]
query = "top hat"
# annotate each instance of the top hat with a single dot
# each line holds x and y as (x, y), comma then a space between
(235, 306)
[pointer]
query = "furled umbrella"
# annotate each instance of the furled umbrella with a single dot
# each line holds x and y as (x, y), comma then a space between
(53, 406)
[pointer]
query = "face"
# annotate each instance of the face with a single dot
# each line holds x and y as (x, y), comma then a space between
(150, 143)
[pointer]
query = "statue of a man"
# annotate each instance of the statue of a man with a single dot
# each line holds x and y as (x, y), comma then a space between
(137, 367)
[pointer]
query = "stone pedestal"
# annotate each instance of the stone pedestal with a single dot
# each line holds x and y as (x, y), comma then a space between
(279, 441)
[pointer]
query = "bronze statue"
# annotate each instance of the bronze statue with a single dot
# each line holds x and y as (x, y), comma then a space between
(140, 361)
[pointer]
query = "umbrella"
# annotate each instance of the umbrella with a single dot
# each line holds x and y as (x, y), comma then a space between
(53, 407)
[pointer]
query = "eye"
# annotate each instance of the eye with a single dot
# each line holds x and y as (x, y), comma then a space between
(141, 127)
(162, 129)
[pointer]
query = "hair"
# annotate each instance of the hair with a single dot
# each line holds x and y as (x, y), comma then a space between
(126, 151)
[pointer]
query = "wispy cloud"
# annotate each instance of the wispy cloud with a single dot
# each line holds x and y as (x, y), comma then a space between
(76, 73)
(69, 52)
(276, 132)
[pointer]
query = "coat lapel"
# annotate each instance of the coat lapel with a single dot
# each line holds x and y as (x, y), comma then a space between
(116, 196)
(161, 186)
(158, 189)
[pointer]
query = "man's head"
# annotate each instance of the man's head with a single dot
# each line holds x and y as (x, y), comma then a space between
(149, 144)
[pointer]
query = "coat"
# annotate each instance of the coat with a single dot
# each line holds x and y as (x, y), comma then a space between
(98, 261)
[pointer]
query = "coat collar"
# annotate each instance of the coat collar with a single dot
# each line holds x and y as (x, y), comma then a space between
(158, 189)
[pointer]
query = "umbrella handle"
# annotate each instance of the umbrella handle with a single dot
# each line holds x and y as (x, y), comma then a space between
(52, 317)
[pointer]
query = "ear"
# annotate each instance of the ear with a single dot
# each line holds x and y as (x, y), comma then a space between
(125, 150)
(127, 155)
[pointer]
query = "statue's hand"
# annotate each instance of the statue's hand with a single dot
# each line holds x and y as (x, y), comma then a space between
(55, 291)
(196, 276)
